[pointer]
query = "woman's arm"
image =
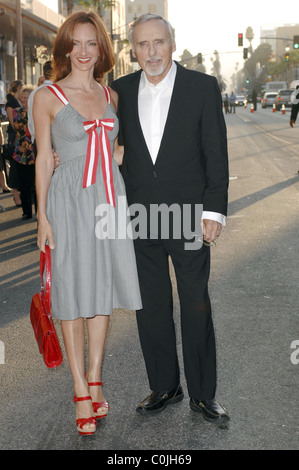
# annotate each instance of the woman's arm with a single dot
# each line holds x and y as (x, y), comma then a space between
(9, 112)
(44, 165)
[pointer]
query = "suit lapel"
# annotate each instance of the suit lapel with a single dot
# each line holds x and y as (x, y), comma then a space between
(177, 98)
(134, 100)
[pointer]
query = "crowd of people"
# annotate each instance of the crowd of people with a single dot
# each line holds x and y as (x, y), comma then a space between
(18, 154)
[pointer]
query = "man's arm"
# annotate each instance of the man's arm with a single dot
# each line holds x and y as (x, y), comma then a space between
(214, 148)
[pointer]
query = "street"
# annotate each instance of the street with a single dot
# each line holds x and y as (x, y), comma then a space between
(255, 297)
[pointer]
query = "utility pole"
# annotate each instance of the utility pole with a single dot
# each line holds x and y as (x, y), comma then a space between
(19, 37)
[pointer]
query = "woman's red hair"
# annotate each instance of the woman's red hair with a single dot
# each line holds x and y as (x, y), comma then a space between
(63, 44)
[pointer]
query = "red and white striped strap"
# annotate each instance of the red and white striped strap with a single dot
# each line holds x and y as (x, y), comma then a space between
(107, 93)
(94, 145)
(58, 92)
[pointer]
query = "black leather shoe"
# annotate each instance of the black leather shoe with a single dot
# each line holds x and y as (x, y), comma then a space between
(211, 410)
(157, 401)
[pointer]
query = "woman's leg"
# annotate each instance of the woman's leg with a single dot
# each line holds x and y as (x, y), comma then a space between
(74, 340)
(3, 183)
(97, 331)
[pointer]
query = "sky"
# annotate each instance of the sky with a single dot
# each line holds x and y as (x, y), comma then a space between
(203, 26)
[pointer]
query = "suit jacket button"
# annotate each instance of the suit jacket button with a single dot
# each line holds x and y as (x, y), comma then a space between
(155, 174)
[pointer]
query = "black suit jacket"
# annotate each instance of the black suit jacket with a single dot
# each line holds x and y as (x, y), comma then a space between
(192, 163)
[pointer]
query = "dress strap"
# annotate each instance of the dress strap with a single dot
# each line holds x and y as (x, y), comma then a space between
(107, 93)
(57, 91)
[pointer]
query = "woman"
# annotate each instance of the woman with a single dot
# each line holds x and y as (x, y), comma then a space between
(24, 155)
(91, 273)
(3, 183)
(13, 101)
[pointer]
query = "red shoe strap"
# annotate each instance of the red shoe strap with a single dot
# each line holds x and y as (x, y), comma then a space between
(82, 421)
(98, 384)
(81, 398)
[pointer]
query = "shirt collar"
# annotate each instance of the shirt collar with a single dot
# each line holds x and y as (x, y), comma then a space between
(167, 81)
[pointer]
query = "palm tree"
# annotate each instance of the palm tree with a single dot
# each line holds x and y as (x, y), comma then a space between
(69, 6)
(99, 5)
(249, 34)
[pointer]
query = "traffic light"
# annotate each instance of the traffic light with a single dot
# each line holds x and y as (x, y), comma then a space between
(240, 39)
(245, 53)
(296, 42)
(199, 58)
(287, 57)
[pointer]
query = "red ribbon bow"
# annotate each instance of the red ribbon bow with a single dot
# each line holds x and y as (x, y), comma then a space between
(95, 143)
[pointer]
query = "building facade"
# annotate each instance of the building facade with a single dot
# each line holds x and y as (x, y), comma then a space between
(27, 32)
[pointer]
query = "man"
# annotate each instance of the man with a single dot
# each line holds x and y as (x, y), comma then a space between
(232, 102)
(175, 152)
(47, 69)
(295, 106)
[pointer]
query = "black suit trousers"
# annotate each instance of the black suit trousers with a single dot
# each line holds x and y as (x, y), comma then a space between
(156, 323)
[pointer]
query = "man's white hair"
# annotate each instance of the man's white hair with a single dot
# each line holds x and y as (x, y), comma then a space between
(148, 17)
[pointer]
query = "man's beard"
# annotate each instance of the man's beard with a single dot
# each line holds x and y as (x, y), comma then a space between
(152, 71)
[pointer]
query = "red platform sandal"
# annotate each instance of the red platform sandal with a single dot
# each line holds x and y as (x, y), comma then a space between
(101, 404)
(81, 422)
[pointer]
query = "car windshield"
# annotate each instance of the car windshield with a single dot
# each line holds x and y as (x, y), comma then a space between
(286, 92)
(271, 95)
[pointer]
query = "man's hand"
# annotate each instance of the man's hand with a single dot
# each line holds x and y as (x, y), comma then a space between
(56, 160)
(210, 230)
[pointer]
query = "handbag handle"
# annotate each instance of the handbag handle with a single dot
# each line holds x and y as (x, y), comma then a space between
(45, 260)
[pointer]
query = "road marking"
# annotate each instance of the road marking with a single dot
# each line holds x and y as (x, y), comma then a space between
(266, 132)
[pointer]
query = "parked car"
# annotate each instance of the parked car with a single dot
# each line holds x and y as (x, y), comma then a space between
(268, 99)
(240, 100)
(283, 97)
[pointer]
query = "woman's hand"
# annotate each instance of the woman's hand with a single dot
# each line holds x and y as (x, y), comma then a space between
(44, 234)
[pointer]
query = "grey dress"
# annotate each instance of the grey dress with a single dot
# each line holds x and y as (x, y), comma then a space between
(93, 262)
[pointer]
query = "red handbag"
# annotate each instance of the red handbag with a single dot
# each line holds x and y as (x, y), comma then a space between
(41, 318)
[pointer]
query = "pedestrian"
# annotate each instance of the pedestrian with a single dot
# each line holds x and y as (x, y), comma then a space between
(4, 187)
(91, 273)
(225, 102)
(254, 98)
(3, 182)
(175, 152)
(13, 101)
(47, 70)
(24, 155)
(295, 106)
(232, 102)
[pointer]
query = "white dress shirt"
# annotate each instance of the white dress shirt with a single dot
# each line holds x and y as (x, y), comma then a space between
(153, 107)
(30, 106)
